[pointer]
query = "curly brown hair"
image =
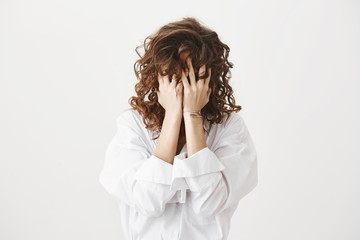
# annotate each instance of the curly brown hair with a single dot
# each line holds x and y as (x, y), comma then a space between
(163, 48)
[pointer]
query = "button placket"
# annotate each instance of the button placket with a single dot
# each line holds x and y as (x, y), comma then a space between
(183, 196)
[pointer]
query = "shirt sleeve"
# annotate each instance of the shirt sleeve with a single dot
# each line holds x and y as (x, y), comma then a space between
(218, 179)
(134, 175)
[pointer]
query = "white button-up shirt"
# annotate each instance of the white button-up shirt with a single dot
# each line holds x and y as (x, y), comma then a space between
(195, 197)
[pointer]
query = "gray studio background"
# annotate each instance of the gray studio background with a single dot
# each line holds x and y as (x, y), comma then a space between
(66, 72)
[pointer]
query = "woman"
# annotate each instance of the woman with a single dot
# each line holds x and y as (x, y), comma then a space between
(177, 169)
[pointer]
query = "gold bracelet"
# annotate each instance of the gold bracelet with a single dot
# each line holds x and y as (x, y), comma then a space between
(194, 115)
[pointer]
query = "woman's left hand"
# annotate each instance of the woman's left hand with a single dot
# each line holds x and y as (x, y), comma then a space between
(197, 93)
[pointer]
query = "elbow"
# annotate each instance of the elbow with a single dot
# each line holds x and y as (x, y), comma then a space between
(149, 210)
(214, 204)
(147, 203)
(206, 213)
(210, 211)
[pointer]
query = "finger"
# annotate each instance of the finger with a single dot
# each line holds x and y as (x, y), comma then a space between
(201, 81)
(173, 79)
(187, 72)
(208, 93)
(179, 87)
(207, 80)
(166, 80)
(191, 72)
(202, 70)
(184, 80)
(160, 79)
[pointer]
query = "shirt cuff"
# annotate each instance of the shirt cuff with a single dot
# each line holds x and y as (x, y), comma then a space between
(202, 162)
(155, 170)
(179, 184)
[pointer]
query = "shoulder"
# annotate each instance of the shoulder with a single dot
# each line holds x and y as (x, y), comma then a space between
(232, 131)
(130, 120)
(130, 116)
(235, 124)
(234, 119)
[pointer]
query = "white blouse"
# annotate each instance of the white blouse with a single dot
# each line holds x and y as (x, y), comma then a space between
(193, 199)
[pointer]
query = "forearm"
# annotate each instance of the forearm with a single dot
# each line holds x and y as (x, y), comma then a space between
(195, 135)
(168, 139)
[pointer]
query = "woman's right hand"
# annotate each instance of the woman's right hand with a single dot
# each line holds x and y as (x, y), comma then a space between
(170, 94)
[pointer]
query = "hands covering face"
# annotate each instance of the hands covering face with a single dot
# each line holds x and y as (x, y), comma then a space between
(184, 96)
(196, 93)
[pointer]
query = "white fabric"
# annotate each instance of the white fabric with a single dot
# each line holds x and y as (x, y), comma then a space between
(193, 199)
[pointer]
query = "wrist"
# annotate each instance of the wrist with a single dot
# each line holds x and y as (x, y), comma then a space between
(192, 113)
(173, 114)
